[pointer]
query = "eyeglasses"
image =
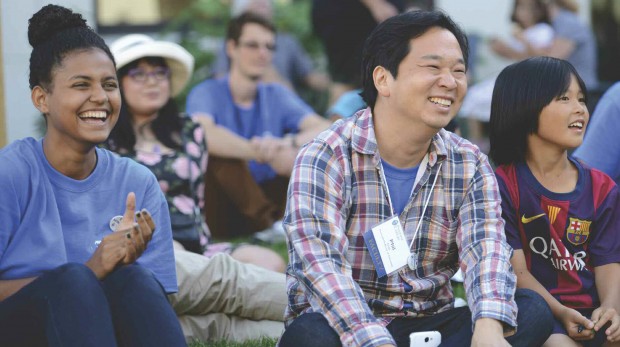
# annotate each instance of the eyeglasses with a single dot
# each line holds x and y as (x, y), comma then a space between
(139, 75)
(255, 46)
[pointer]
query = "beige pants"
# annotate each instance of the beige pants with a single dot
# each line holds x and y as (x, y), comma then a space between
(221, 298)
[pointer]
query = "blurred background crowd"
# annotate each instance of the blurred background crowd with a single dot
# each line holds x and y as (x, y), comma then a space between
(318, 43)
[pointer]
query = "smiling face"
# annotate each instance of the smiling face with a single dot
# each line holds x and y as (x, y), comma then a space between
(562, 123)
(146, 89)
(252, 55)
(431, 82)
(82, 103)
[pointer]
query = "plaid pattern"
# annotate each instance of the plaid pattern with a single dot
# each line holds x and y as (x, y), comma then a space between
(336, 194)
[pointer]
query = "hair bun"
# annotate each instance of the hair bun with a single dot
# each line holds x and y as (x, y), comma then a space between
(50, 20)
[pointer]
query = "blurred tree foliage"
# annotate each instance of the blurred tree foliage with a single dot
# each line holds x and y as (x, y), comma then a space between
(202, 25)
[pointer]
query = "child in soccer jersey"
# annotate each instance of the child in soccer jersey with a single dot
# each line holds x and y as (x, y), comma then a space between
(562, 217)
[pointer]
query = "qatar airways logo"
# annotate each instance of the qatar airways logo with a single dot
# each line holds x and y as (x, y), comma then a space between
(561, 259)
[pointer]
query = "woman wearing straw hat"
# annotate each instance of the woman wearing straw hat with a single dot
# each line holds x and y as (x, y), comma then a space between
(152, 131)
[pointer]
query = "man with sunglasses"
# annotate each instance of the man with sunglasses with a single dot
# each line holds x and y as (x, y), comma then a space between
(254, 131)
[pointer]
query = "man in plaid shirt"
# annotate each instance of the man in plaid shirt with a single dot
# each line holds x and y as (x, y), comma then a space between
(392, 167)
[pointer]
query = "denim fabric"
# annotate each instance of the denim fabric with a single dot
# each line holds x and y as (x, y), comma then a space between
(534, 320)
(68, 306)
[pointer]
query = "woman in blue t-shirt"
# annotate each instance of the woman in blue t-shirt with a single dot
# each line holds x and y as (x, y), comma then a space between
(80, 265)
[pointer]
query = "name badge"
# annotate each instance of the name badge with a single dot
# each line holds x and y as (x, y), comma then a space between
(388, 246)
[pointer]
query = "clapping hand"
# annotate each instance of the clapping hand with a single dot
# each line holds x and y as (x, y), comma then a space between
(126, 244)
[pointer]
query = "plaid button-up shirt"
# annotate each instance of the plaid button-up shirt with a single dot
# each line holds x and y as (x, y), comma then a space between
(336, 194)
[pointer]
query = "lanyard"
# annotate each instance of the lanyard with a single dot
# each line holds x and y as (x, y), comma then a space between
(428, 197)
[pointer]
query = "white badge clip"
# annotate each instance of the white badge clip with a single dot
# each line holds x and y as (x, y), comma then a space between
(114, 222)
(412, 261)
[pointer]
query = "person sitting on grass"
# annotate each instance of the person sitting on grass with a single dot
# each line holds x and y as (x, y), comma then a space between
(254, 131)
(385, 206)
(86, 254)
(562, 217)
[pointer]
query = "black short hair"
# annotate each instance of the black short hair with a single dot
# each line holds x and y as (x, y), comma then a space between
(53, 32)
(235, 26)
(521, 92)
(389, 44)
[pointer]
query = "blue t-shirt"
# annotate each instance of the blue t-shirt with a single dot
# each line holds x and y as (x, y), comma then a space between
(276, 111)
(48, 219)
(400, 183)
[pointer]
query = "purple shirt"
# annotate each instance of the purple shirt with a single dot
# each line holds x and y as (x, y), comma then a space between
(563, 235)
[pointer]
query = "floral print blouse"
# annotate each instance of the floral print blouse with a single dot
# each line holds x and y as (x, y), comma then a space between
(174, 170)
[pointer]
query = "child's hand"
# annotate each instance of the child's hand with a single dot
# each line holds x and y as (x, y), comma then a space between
(604, 315)
(579, 328)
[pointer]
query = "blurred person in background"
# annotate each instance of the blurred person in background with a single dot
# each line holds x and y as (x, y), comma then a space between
(573, 41)
(254, 130)
(531, 18)
(291, 64)
(601, 145)
(343, 26)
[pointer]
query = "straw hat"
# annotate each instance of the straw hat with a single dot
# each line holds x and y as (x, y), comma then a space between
(132, 47)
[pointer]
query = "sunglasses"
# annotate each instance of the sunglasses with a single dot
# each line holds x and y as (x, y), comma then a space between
(255, 46)
(140, 75)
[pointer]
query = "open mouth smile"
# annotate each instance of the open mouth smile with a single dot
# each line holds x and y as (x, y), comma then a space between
(440, 101)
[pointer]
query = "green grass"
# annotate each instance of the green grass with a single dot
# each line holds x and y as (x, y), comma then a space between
(264, 342)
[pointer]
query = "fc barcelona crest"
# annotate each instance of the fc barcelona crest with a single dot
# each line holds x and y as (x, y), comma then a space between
(578, 231)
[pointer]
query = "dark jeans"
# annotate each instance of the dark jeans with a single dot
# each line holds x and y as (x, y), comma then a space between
(68, 306)
(534, 320)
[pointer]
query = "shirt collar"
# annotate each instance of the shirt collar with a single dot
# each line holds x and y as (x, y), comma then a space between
(364, 141)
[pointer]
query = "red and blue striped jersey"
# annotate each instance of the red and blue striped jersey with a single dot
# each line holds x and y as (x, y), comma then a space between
(563, 235)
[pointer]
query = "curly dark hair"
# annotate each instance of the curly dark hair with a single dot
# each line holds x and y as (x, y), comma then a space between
(53, 32)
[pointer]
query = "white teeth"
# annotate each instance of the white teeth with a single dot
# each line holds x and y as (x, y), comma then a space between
(440, 101)
(94, 114)
(577, 124)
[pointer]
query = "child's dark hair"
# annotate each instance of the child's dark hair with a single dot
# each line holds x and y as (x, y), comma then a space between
(521, 92)
(53, 32)
(388, 44)
(167, 124)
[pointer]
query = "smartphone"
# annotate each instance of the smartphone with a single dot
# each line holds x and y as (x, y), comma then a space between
(425, 339)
